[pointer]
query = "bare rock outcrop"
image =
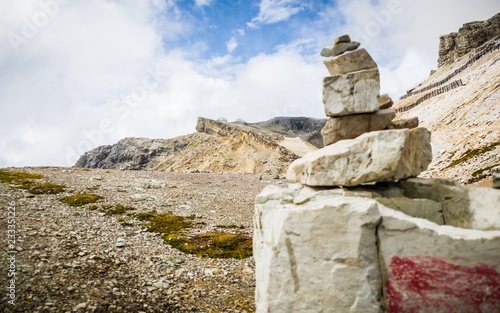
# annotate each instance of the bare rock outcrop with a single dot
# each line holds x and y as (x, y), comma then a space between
(131, 154)
(470, 36)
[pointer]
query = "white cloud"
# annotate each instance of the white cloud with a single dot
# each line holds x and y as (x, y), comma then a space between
(274, 11)
(68, 84)
(232, 44)
(240, 32)
(201, 3)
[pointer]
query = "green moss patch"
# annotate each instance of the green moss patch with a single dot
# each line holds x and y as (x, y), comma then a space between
(17, 178)
(46, 188)
(117, 209)
(471, 154)
(213, 245)
(23, 180)
(231, 226)
(124, 223)
(480, 171)
(166, 223)
(80, 200)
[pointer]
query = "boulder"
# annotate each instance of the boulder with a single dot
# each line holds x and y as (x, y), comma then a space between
(410, 122)
(352, 93)
(385, 102)
(351, 126)
(386, 155)
(339, 48)
(350, 62)
(471, 207)
(341, 39)
(431, 268)
(319, 256)
(337, 249)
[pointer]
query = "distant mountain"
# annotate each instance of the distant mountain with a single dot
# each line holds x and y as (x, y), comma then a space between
(460, 102)
(265, 147)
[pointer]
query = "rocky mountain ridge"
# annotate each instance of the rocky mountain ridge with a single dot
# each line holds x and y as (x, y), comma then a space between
(217, 146)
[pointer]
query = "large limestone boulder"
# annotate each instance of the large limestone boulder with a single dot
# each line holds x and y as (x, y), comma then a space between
(351, 126)
(386, 155)
(431, 268)
(350, 62)
(335, 250)
(352, 93)
(319, 256)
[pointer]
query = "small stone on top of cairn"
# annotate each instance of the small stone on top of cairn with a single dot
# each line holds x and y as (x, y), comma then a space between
(340, 45)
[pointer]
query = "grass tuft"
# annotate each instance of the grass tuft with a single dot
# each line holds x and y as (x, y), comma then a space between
(23, 180)
(80, 200)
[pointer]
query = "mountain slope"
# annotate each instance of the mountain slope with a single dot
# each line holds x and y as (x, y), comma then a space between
(460, 104)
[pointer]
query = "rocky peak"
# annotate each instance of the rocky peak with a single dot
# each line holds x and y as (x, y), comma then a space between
(470, 36)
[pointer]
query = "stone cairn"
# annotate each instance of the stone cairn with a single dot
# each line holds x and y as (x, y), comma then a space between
(363, 142)
(327, 244)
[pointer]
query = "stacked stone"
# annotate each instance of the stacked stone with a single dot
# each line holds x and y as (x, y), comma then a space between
(362, 142)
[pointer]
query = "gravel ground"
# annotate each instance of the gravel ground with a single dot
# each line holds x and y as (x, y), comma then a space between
(66, 258)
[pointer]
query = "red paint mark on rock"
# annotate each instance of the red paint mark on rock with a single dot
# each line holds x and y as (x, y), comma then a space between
(428, 284)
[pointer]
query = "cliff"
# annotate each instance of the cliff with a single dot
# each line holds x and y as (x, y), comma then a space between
(470, 36)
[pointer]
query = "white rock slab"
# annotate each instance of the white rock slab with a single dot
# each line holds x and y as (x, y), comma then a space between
(386, 155)
(318, 256)
(352, 93)
(350, 62)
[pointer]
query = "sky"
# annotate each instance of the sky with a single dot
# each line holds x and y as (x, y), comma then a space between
(75, 75)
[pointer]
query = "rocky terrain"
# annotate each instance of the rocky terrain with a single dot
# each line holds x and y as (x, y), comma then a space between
(460, 104)
(220, 147)
(85, 259)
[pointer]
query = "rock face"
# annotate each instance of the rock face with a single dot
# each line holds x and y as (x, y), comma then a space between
(351, 126)
(307, 128)
(335, 250)
(351, 93)
(131, 154)
(386, 155)
(469, 36)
